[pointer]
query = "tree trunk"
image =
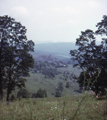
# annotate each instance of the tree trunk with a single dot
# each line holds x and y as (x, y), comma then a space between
(1, 87)
(1, 91)
(7, 98)
(8, 89)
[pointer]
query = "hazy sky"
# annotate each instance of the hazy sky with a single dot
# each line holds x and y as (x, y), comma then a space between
(55, 20)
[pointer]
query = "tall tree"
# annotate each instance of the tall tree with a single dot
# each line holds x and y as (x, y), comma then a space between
(90, 57)
(18, 59)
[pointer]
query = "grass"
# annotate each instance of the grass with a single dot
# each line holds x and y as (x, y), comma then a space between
(85, 106)
(63, 108)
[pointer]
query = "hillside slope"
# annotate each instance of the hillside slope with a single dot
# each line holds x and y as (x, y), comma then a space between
(37, 80)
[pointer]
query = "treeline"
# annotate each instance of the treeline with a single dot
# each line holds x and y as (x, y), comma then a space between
(24, 93)
(49, 70)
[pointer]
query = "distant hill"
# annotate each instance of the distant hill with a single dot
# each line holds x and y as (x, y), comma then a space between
(57, 50)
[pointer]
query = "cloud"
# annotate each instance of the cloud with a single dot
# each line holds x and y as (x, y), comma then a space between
(94, 4)
(66, 9)
(72, 22)
(70, 10)
(55, 20)
(20, 11)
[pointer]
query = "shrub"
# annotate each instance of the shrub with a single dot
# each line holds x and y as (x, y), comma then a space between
(23, 93)
(41, 93)
(68, 84)
(58, 93)
(59, 90)
(34, 95)
(12, 98)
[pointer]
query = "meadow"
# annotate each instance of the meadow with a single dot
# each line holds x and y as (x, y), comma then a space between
(77, 107)
(71, 106)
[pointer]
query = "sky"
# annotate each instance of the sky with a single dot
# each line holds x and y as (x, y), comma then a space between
(55, 20)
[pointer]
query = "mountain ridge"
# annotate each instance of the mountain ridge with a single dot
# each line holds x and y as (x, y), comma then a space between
(60, 50)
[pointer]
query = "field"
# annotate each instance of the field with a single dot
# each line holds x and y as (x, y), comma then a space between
(77, 107)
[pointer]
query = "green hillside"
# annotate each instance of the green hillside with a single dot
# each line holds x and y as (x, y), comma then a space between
(38, 80)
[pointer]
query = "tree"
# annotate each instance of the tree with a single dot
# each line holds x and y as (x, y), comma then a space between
(59, 90)
(33, 95)
(3, 45)
(17, 57)
(68, 84)
(45, 93)
(23, 93)
(102, 30)
(90, 57)
(58, 93)
(41, 93)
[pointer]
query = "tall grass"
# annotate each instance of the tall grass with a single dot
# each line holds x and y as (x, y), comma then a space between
(54, 109)
(76, 107)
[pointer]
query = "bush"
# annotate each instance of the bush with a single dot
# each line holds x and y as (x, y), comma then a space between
(58, 93)
(59, 90)
(41, 93)
(12, 98)
(23, 93)
(34, 95)
(68, 84)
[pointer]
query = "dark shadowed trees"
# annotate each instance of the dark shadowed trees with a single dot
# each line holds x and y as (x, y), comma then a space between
(23, 93)
(92, 58)
(41, 93)
(16, 58)
(59, 90)
(3, 46)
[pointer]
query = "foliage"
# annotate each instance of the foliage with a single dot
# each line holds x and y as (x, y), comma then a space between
(92, 57)
(58, 93)
(23, 93)
(68, 84)
(59, 90)
(15, 56)
(12, 98)
(47, 69)
(41, 93)
(33, 95)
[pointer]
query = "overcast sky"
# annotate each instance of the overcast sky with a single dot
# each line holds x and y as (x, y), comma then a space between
(55, 20)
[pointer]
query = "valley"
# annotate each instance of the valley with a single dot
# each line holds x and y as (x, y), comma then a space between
(53, 66)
